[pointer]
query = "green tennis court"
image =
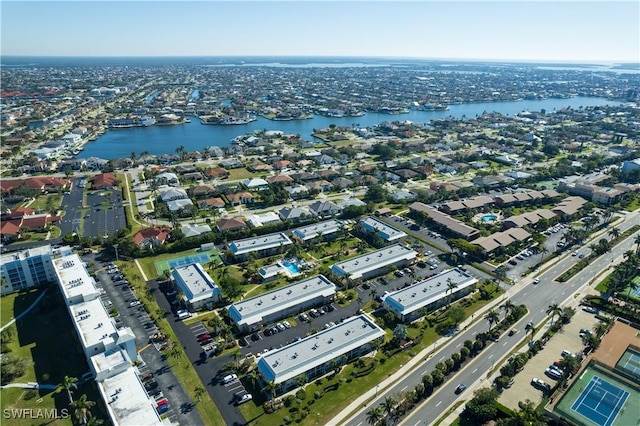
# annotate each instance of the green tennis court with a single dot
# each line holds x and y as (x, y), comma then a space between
(202, 258)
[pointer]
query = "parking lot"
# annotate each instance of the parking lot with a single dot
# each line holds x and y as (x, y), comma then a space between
(566, 339)
(160, 382)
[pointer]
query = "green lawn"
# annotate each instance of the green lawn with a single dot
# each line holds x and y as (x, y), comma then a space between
(240, 173)
(37, 337)
(15, 303)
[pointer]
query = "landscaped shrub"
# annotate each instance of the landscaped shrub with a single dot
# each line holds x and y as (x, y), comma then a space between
(301, 394)
(317, 395)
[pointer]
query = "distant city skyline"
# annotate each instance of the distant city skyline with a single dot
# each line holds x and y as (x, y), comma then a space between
(560, 31)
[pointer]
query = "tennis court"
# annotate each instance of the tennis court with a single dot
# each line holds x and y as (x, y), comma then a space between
(636, 291)
(201, 258)
(630, 361)
(600, 401)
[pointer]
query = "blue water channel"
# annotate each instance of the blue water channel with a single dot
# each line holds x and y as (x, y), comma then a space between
(193, 136)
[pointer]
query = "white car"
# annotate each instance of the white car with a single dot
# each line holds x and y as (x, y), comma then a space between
(590, 309)
(536, 281)
(540, 383)
(244, 398)
(230, 378)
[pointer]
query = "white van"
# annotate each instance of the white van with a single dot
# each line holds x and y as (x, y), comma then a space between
(183, 314)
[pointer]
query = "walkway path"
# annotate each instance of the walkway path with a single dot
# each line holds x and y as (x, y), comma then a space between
(26, 311)
(29, 386)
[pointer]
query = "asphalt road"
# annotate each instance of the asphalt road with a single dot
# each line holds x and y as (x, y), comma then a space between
(120, 296)
(536, 297)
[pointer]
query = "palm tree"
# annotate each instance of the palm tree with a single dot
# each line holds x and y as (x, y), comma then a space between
(388, 406)
(543, 250)
(568, 364)
(493, 317)
(636, 241)
(198, 392)
(600, 328)
(175, 353)
(451, 285)
(530, 328)
(94, 421)
(374, 415)
(82, 407)
(270, 387)
(236, 355)
(508, 307)
(614, 232)
(301, 380)
(553, 310)
(68, 383)
(181, 152)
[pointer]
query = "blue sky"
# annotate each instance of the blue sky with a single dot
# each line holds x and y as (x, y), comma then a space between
(595, 31)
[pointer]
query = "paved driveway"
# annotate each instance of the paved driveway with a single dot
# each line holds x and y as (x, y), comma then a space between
(568, 338)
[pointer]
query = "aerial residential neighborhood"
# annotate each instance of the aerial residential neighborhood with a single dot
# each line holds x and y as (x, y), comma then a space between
(318, 240)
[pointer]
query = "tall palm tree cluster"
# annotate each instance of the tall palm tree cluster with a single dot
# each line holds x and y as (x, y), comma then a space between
(81, 406)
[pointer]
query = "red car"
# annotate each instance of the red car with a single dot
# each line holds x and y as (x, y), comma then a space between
(163, 401)
(204, 336)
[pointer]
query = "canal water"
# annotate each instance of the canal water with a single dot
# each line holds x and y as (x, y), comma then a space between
(193, 136)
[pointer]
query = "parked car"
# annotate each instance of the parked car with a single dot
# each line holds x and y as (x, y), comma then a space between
(590, 309)
(554, 374)
(162, 409)
(151, 385)
(565, 353)
(286, 324)
(281, 326)
(314, 313)
(229, 378)
(204, 336)
(244, 398)
(540, 384)
(304, 317)
(399, 274)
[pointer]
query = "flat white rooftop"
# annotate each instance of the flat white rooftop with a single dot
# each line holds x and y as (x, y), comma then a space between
(387, 232)
(93, 323)
(358, 266)
(251, 311)
(427, 291)
(127, 401)
(326, 227)
(264, 242)
(195, 283)
(110, 361)
(74, 278)
(296, 358)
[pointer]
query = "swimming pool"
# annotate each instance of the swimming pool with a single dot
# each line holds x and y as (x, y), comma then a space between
(292, 266)
(488, 218)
